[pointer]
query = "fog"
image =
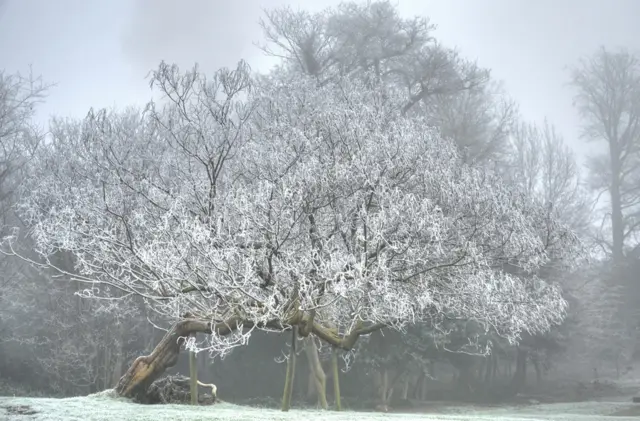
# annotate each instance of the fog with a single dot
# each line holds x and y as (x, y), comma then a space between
(99, 53)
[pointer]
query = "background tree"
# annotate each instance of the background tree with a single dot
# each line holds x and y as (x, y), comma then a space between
(542, 164)
(19, 137)
(373, 42)
(607, 85)
(608, 98)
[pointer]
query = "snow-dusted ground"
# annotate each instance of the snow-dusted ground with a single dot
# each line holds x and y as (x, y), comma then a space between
(104, 406)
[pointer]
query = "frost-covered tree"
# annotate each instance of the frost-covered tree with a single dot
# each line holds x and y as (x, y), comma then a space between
(19, 137)
(280, 203)
(372, 41)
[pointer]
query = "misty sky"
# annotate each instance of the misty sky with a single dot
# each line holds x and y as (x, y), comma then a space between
(99, 52)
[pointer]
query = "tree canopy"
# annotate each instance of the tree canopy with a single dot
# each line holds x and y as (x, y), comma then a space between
(275, 201)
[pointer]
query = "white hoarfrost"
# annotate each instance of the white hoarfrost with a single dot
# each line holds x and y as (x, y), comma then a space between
(259, 200)
(103, 407)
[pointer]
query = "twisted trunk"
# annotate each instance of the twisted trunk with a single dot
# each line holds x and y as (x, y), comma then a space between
(146, 369)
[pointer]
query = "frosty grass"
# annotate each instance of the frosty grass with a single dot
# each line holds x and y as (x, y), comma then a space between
(104, 406)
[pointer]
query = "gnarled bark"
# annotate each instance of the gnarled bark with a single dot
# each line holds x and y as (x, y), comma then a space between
(146, 369)
(345, 342)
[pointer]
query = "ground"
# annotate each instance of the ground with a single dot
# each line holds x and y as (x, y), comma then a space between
(103, 406)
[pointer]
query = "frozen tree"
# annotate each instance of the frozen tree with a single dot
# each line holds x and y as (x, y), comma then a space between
(19, 136)
(282, 203)
(373, 42)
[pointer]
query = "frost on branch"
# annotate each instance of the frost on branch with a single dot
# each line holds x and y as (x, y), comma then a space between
(19, 137)
(271, 203)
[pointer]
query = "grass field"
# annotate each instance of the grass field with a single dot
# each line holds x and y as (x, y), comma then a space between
(104, 406)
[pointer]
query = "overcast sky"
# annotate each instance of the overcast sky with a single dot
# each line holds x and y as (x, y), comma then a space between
(99, 52)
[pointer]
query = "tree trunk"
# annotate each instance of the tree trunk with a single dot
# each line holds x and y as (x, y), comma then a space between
(204, 368)
(425, 388)
(390, 388)
(193, 376)
(336, 379)
(311, 387)
(417, 390)
(116, 369)
(385, 391)
(490, 369)
(291, 371)
(536, 366)
(316, 370)
(145, 369)
(106, 369)
(520, 376)
(405, 388)
(617, 220)
(465, 381)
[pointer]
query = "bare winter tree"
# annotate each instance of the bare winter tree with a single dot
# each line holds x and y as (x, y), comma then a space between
(479, 120)
(542, 164)
(608, 98)
(19, 136)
